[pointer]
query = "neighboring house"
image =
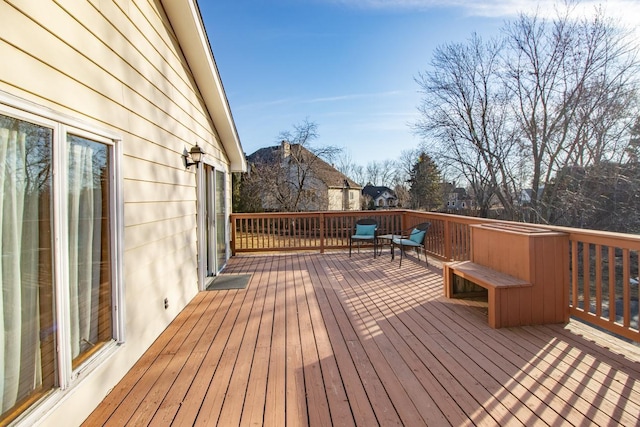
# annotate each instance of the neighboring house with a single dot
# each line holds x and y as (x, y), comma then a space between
(379, 197)
(321, 186)
(458, 200)
(106, 236)
(526, 195)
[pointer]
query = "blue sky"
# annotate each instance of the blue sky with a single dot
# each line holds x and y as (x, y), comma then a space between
(347, 65)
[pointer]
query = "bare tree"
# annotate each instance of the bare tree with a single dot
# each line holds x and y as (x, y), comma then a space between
(465, 118)
(403, 195)
(574, 82)
(403, 168)
(380, 173)
(404, 165)
(359, 175)
(287, 176)
(346, 165)
(511, 113)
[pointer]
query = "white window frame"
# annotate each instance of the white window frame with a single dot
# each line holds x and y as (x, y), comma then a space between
(62, 125)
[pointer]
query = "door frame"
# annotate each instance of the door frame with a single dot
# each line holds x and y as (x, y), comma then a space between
(201, 222)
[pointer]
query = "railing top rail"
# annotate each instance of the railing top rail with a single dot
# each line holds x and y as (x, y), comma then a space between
(600, 237)
(593, 236)
(316, 213)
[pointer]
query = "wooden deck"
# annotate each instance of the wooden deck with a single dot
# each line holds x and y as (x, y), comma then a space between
(324, 339)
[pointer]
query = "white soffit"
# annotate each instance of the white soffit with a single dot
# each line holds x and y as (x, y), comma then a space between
(185, 19)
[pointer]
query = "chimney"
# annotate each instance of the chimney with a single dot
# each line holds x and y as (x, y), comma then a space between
(286, 149)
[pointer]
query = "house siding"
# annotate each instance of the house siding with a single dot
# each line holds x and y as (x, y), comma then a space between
(337, 199)
(118, 66)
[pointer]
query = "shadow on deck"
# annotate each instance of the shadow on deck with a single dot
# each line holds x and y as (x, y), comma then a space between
(324, 339)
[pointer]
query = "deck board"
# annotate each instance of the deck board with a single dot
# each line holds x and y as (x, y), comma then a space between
(275, 397)
(166, 412)
(295, 403)
(362, 412)
(253, 410)
(412, 374)
(324, 339)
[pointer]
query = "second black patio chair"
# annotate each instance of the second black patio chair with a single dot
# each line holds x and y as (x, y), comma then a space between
(413, 237)
(365, 231)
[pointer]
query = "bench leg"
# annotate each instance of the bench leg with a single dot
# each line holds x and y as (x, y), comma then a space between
(493, 297)
(494, 309)
(447, 276)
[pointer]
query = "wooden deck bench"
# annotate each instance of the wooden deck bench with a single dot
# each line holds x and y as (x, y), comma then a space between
(524, 270)
(496, 283)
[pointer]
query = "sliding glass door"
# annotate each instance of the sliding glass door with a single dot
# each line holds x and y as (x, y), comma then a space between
(220, 224)
(214, 220)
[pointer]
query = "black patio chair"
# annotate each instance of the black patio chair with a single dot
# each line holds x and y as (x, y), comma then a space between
(365, 231)
(413, 237)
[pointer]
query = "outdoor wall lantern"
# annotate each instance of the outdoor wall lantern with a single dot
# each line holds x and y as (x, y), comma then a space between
(195, 153)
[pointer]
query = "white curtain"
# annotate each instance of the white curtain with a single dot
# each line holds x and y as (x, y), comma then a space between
(85, 212)
(25, 236)
(20, 364)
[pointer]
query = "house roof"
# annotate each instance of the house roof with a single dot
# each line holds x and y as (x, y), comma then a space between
(376, 191)
(331, 177)
(187, 24)
(266, 155)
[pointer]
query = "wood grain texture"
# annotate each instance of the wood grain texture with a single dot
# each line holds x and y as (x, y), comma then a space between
(324, 339)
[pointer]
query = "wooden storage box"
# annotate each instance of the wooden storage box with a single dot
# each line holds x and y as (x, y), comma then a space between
(535, 255)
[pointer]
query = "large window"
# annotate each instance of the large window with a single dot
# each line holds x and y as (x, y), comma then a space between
(57, 266)
(89, 245)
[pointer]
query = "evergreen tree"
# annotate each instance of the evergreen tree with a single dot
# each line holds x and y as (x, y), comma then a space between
(633, 149)
(425, 188)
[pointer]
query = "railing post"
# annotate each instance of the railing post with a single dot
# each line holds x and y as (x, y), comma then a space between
(232, 220)
(322, 233)
(447, 241)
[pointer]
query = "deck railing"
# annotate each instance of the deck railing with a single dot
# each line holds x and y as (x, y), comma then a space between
(320, 231)
(603, 267)
(604, 279)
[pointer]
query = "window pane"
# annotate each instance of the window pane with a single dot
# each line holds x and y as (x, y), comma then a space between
(209, 206)
(220, 220)
(89, 246)
(26, 303)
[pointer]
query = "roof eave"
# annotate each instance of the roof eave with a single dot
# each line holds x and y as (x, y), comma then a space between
(186, 21)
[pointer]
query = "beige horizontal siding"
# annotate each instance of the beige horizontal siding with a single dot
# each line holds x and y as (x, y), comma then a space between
(172, 172)
(146, 212)
(118, 66)
(111, 41)
(138, 191)
(98, 75)
(148, 270)
(144, 234)
(149, 276)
